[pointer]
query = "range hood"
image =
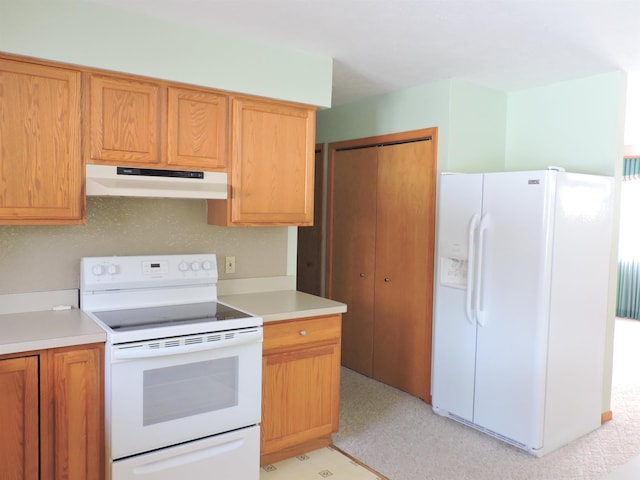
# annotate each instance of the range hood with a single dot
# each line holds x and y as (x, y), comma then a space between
(107, 180)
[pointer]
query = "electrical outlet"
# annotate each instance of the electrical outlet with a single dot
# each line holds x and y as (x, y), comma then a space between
(229, 264)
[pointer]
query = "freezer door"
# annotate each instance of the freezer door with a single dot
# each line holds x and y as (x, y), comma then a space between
(454, 334)
(514, 303)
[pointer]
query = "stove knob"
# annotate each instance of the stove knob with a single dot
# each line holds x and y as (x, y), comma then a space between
(98, 270)
(112, 269)
(207, 265)
(195, 266)
(183, 266)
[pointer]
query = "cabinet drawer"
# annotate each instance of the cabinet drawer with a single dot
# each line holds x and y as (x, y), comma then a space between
(301, 332)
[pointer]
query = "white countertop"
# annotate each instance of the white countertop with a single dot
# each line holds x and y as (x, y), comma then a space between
(283, 304)
(39, 330)
(22, 332)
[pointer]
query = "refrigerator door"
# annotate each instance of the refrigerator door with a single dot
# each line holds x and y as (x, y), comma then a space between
(454, 333)
(514, 291)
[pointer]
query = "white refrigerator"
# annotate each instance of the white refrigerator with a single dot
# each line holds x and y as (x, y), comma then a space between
(520, 307)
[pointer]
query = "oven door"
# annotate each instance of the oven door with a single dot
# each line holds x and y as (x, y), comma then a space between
(168, 391)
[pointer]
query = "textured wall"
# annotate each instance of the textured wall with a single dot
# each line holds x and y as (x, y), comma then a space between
(41, 258)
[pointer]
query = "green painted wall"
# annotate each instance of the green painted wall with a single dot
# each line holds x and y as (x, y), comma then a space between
(478, 128)
(88, 34)
(578, 125)
(470, 121)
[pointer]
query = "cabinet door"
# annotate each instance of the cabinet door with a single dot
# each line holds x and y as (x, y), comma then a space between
(301, 382)
(352, 242)
(272, 155)
(125, 125)
(197, 129)
(40, 160)
(404, 266)
(19, 435)
(76, 437)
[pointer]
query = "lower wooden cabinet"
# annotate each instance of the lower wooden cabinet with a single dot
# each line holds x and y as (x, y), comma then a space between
(19, 435)
(52, 414)
(300, 386)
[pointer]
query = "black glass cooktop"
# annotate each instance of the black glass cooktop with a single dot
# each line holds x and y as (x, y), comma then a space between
(166, 316)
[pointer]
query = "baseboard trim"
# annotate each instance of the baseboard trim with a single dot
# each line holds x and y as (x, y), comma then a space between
(308, 446)
(606, 416)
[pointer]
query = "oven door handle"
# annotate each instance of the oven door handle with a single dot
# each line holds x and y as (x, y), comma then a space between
(133, 353)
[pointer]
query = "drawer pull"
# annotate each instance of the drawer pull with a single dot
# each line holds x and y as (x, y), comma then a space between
(303, 333)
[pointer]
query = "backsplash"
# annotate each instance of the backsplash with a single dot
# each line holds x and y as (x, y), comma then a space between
(41, 258)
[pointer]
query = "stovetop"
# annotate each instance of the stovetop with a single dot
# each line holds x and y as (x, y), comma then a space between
(148, 297)
(167, 316)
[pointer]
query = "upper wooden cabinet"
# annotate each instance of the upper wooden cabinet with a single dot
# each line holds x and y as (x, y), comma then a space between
(271, 165)
(40, 145)
(124, 121)
(135, 122)
(197, 129)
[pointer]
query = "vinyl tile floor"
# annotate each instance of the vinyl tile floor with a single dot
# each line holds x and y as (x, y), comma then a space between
(328, 462)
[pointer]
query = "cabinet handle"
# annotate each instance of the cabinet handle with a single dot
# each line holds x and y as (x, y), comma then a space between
(303, 333)
(387, 279)
(362, 274)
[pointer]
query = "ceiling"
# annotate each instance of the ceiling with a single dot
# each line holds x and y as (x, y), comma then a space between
(384, 45)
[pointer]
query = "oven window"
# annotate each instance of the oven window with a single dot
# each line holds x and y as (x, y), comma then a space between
(180, 391)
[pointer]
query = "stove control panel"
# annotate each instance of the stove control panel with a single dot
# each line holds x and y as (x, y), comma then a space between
(148, 271)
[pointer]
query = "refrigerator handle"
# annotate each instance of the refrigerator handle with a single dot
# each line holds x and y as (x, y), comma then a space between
(480, 264)
(473, 224)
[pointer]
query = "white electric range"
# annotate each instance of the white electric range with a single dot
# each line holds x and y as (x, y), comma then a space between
(183, 371)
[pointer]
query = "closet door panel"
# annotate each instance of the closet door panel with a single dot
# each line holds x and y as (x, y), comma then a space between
(404, 266)
(352, 251)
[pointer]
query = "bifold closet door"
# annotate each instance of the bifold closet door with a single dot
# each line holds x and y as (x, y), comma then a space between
(352, 241)
(404, 266)
(381, 260)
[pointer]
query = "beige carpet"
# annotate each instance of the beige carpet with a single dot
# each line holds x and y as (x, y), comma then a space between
(399, 436)
(326, 462)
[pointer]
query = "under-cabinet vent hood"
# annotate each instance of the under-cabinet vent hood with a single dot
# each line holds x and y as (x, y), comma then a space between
(106, 180)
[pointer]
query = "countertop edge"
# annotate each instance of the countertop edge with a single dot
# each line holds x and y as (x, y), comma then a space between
(46, 344)
(46, 329)
(319, 312)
